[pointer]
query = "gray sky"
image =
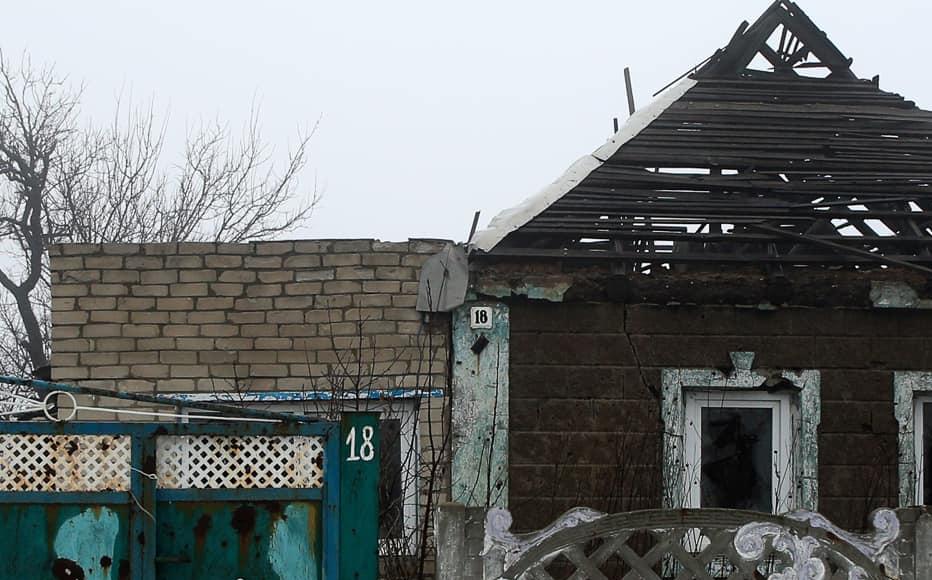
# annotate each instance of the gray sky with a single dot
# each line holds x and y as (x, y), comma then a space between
(428, 110)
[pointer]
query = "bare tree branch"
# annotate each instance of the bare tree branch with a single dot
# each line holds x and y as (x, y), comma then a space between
(63, 182)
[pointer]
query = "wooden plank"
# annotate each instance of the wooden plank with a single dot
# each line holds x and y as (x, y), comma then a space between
(645, 234)
(749, 258)
(870, 256)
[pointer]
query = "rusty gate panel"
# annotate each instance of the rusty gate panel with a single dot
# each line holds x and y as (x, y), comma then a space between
(114, 501)
(64, 541)
(266, 539)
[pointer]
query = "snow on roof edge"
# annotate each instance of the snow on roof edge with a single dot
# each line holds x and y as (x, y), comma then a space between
(513, 218)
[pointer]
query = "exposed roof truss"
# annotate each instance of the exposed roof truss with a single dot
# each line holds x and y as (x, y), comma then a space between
(737, 166)
(785, 41)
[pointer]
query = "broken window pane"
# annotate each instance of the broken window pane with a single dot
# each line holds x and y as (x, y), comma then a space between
(737, 458)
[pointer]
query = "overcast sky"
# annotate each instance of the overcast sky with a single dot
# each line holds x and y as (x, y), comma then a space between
(428, 110)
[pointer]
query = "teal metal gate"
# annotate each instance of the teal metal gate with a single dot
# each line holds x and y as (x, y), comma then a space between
(109, 501)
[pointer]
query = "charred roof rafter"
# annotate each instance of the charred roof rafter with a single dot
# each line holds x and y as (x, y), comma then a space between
(742, 166)
(799, 38)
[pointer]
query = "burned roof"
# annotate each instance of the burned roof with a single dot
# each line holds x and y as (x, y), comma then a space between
(772, 151)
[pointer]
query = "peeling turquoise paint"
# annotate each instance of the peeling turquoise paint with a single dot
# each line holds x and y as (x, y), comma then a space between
(886, 294)
(289, 550)
(552, 291)
(291, 396)
(480, 409)
(86, 538)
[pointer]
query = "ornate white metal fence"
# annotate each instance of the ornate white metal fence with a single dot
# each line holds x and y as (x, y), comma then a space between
(707, 544)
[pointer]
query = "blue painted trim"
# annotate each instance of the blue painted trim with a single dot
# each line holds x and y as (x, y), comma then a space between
(297, 396)
(225, 410)
(331, 511)
(319, 428)
(66, 497)
(238, 495)
(74, 428)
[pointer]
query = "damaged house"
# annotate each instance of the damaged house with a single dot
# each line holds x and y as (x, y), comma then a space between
(726, 305)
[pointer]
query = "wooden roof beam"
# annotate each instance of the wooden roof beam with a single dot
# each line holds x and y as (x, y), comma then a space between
(748, 41)
(842, 248)
(818, 42)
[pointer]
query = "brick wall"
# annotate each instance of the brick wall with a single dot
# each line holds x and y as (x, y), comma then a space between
(261, 316)
(585, 424)
(220, 318)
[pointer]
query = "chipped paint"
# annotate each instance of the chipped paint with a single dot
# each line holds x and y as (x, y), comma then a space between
(887, 294)
(480, 409)
(548, 289)
(807, 410)
(289, 549)
(293, 396)
(906, 385)
(87, 539)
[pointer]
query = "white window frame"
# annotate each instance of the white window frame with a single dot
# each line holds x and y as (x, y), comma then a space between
(806, 412)
(918, 432)
(782, 498)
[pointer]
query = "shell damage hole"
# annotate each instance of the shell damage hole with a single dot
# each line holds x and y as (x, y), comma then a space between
(65, 569)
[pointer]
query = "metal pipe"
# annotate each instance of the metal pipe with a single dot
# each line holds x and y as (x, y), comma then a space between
(228, 410)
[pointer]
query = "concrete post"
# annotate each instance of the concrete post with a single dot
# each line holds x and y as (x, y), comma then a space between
(923, 547)
(450, 522)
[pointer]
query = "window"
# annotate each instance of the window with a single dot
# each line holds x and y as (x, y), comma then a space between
(738, 450)
(744, 439)
(912, 407)
(922, 415)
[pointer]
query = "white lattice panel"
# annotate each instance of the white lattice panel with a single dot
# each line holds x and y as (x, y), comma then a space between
(64, 463)
(226, 462)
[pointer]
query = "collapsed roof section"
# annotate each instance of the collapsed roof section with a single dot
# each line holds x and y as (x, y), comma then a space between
(773, 152)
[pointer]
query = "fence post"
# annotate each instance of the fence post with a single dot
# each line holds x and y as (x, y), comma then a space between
(475, 542)
(451, 541)
(922, 546)
(359, 496)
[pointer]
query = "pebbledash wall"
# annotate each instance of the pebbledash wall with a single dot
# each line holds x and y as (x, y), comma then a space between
(587, 355)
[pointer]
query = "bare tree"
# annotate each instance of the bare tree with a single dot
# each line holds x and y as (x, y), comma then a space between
(415, 442)
(63, 182)
(412, 476)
